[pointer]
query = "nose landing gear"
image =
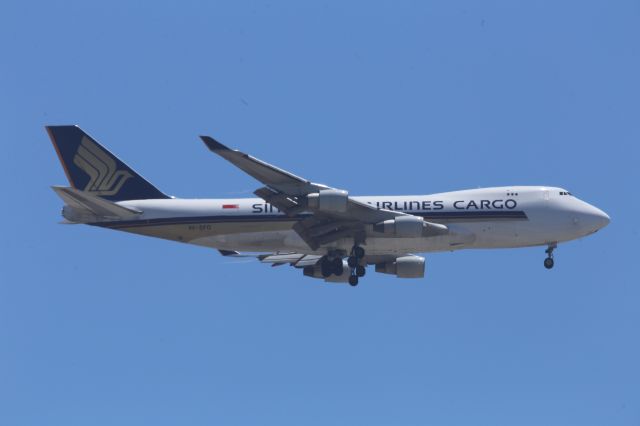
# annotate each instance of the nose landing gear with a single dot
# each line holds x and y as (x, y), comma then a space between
(548, 262)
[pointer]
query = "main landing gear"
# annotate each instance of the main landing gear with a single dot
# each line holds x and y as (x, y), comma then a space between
(331, 264)
(330, 267)
(548, 262)
(357, 270)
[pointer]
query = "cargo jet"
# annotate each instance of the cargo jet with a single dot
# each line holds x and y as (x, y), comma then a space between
(324, 231)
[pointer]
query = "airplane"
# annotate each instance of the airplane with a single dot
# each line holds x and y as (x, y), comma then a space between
(324, 231)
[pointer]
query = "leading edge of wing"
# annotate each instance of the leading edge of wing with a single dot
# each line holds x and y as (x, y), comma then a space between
(264, 172)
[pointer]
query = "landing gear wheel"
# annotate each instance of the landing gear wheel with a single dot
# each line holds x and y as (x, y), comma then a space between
(326, 271)
(548, 262)
(353, 280)
(360, 271)
(326, 268)
(352, 261)
(337, 266)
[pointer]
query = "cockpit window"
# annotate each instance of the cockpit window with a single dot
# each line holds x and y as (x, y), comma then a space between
(565, 193)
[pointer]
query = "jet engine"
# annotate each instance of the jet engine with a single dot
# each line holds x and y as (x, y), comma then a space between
(410, 227)
(401, 226)
(329, 200)
(404, 267)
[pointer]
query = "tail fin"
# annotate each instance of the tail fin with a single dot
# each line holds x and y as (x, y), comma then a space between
(92, 168)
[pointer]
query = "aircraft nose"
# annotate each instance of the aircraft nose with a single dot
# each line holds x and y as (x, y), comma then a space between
(603, 219)
(595, 218)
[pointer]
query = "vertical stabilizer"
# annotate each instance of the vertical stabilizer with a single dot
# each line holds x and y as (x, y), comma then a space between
(90, 167)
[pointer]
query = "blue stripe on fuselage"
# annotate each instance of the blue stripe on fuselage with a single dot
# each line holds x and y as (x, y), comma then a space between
(187, 220)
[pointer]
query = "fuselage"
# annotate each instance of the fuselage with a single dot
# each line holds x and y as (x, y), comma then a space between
(500, 217)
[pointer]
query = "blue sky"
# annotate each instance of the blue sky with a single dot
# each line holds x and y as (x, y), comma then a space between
(103, 328)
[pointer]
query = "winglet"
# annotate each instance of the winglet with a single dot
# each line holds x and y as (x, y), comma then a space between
(213, 144)
(229, 253)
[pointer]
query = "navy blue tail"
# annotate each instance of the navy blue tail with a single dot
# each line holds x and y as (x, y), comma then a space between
(92, 168)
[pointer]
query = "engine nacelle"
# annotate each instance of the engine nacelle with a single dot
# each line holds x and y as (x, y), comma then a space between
(404, 267)
(329, 200)
(401, 226)
(410, 227)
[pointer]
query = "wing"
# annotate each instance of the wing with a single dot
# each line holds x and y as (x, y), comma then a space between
(335, 214)
(300, 260)
(280, 180)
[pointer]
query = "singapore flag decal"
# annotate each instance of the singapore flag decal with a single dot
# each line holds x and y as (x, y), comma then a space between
(230, 206)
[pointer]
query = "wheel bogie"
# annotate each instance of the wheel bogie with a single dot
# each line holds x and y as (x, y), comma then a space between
(358, 252)
(337, 266)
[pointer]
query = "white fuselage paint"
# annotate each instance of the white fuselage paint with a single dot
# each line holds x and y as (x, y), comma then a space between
(502, 217)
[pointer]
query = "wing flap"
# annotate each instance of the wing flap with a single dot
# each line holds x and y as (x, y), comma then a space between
(299, 260)
(285, 203)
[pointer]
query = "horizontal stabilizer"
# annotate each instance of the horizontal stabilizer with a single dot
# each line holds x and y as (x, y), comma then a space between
(83, 207)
